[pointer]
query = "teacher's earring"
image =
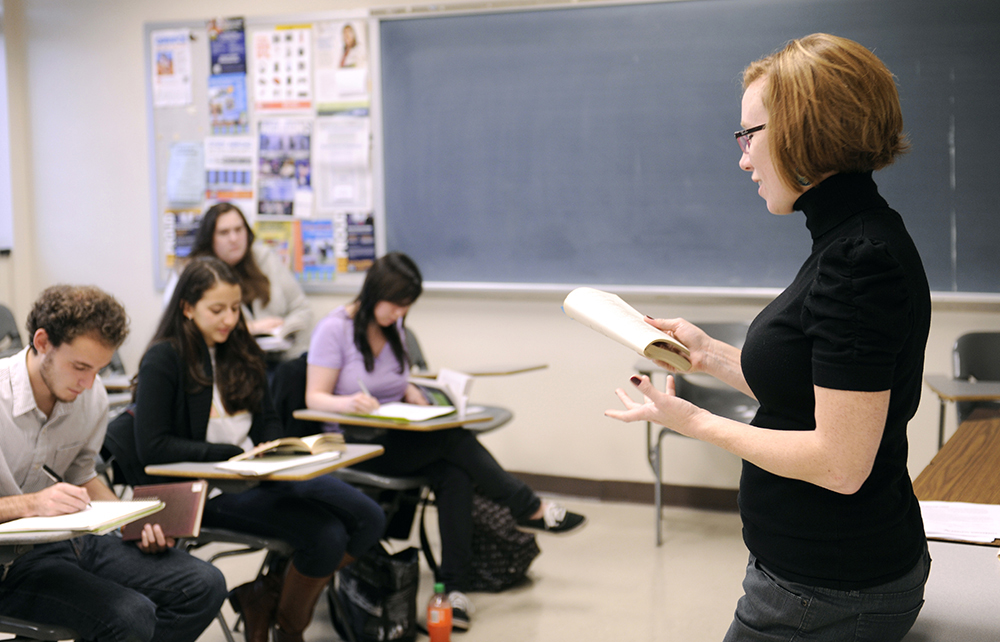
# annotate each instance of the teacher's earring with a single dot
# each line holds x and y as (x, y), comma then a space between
(803, 181)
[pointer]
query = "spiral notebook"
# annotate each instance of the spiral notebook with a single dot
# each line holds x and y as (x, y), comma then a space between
(98, 518)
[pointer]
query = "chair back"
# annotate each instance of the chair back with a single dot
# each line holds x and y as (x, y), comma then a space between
(976, 355)
(10, 337)
(288, 391)
(706, 392)
(417, 359)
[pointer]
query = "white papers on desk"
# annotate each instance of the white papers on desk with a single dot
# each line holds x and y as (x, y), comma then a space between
(267, 465)
(960, 521)
(406, 412)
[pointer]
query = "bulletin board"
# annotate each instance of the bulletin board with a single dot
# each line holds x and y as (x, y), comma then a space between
(274, 115)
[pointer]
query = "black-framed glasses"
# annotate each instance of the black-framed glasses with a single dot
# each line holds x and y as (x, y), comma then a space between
(744, 135)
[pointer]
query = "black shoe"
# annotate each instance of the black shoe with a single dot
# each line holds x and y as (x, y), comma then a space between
(555, 520)
(461, 606)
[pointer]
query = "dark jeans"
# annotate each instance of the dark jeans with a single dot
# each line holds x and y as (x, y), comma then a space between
(456, 464)
(106, 589)
(774, 609)
(321, 518)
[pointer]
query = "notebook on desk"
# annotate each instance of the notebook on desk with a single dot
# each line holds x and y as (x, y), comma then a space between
(98, 518)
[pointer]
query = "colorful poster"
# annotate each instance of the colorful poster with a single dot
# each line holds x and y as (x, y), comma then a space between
(229, 162)
(227, 104)
(171, 73)
(342, 79)
(360, 242)
(227, 46)
(283, 68)
(315, 259)
(277, 235)
(284, 177)
(179, 229)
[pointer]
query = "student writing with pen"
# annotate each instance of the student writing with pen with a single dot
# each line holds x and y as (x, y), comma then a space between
(53, 414)
(54, 476)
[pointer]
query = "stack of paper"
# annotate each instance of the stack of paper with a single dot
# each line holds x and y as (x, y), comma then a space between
(960, 521)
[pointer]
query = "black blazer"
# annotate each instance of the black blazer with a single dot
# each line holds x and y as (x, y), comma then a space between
(171, 424)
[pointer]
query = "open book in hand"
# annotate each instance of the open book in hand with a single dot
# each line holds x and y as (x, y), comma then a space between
(611, 316)
(98, 518)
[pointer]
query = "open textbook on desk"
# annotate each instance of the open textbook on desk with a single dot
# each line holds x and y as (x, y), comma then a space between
(98, 518)
(261, 466)
(611, 316)
(310, 445)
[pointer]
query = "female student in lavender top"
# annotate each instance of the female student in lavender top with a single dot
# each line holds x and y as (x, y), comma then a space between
(202, 396)
(361, 346)
(837, 546)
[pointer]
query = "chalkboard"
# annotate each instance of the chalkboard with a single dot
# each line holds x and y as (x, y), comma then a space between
(594, 144)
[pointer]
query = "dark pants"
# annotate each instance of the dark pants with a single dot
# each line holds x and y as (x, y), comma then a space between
(321, 518)
(106, 589)
(456, 464)
(776, 610)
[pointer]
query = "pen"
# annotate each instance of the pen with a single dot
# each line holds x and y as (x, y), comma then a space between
(56, 477)
(53, 475)
(364, 388)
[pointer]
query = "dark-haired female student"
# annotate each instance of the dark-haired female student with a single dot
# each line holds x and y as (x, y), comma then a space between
(202, 396)
(359, 348)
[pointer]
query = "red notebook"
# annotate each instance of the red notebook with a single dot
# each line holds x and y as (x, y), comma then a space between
(181, 517)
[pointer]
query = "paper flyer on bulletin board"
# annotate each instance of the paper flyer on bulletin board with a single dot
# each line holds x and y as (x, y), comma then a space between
(229, 163)
(284, 177)
(315, 256)
(282, 63)
(343, 83)
(171, 73)
(178, 232)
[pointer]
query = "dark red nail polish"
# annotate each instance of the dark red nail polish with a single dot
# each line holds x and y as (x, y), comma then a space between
(635, 380)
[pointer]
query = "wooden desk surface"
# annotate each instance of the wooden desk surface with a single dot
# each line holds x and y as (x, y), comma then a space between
(967, 468)
(438, 423)
(356, 453)
(951, 389)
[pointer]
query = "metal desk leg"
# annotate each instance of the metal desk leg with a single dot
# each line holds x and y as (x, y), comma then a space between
(941, 425)
(653, 454)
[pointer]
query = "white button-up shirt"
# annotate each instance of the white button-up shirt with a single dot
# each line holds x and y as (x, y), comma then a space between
(68, 441)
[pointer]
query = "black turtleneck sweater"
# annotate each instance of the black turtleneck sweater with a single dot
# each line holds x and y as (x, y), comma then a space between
(856, 317)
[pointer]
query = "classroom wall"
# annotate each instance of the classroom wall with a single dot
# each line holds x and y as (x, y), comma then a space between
(82, 214)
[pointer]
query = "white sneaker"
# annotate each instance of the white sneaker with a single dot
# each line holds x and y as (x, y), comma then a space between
(461, 608)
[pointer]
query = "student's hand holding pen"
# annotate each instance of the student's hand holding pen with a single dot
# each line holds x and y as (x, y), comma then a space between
(363, 401)
(60, 499)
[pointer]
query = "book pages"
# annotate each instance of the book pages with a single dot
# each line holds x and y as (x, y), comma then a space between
(611, 316)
